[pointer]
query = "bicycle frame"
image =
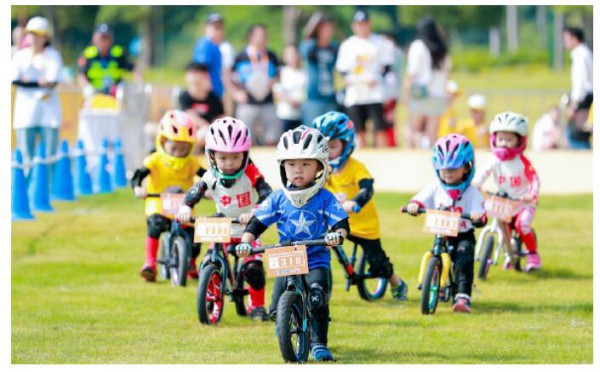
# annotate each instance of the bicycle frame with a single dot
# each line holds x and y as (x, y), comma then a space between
(440, 251)
(297, 284)
(500, 229)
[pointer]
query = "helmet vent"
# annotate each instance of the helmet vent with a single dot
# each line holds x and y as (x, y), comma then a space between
(307, 141)
(190, 131)
(175, 130)
(230, 130)
(222, 136)
(285, 143)
(296, 136)
(237, 138)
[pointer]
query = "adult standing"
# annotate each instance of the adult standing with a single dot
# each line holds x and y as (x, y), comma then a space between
(207, 51)
(227, 59)
(364, 59)
(319, 53)
(581, 97)
(35, 71)
(253, 74)
(428, 65)
(103, 64)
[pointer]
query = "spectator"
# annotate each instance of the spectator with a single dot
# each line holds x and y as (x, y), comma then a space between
(253, 74)
(363, 60)
(448, 121)
(103, 64)
(18, 35)
(546, 133)
(392, 81)
(476, 128)
(581, 97)
(424, 91)
(35, 71)
(227, 59)
(207, 50)
(319, 54)
(290, 92)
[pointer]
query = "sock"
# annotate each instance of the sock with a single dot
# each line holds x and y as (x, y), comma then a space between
(151, 251)
(256, 297)
(530, 242)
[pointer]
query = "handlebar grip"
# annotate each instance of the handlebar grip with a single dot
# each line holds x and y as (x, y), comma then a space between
(419, 211)
(153, 195)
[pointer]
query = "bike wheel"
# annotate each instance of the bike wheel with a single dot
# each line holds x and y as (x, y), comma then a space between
(431, 286)
(209, 299)
(179, 262)
(369, 288)
(164, 256)
(293, 339)
(485, 261)
(516, 253)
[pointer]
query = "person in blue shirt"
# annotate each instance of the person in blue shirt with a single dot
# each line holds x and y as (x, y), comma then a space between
(304, 210)
(207, 51)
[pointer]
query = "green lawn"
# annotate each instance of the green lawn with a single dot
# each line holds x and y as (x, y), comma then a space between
(77, 298)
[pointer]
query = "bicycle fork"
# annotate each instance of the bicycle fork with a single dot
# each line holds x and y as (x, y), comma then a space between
(445, 258)
(348, 265)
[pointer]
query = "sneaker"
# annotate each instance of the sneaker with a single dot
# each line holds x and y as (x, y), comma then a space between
(192, 273)
(507, 265)
(259, 314)
(399, 292)
(533, 262)
(148, 273)
(321, 353)
(462, 303)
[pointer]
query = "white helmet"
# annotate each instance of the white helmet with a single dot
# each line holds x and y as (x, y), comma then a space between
(510, 122)
(303, 143)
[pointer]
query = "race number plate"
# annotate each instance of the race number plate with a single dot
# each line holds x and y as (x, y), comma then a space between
(442, 222)
(212, 230)
(170, 203)
(286, 261)
(500, 208)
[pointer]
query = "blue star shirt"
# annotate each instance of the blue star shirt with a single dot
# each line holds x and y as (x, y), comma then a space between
(311, 221)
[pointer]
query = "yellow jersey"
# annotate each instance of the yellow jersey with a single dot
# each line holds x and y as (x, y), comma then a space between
(448, 123)
(478, 135)
(344, 185)
(163, 174)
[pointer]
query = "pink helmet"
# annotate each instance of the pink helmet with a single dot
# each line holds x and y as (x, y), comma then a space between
(227, 135)
(509, 122)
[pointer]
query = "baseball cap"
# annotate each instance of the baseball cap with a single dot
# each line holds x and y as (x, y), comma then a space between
(214, 18)
(103, 29)
(38, 26)
(452, 87)
(361, 16)
(477, 102)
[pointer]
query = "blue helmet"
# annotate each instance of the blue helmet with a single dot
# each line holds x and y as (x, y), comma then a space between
(337, 125)
(451, 152)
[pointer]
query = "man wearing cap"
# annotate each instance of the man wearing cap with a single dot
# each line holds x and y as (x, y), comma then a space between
(103, 64)
(476, 128)
(207, 52)
(364, 59)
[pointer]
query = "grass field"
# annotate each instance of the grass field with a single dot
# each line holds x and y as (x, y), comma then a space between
(77, 298)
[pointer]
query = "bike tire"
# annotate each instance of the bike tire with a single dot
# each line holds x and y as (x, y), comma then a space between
(430, 291)
(369, 289)
(164, 256)
(516, 245)
(179, 262)
(210, 302)
(293, 340)
(485, 261)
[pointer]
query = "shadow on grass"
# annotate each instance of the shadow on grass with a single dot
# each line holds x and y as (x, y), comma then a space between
(544, 274)
(514, 307)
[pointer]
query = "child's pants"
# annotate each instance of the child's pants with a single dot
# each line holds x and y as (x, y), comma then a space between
(522, 222)
(158, 224)
(462, 256)
(379, 263)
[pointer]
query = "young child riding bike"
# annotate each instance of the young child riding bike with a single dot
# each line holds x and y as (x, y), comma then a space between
(236, 185)
(515, 177)
(171, 165)
(454, 164)
(304, 210)
(352, 185)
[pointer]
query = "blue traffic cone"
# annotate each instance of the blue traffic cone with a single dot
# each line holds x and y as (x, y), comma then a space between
(119, 166)
(103, 181)
(20, 199)
(83, 184)
(62, 180)
(39, 184)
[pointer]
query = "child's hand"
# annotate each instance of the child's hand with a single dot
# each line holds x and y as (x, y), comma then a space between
(412, 208)
(185, 214)
(244, 218)
(243, 249)
(139, 192)
(526, 198)
(333, 239)
(349, 206)
(476, 216)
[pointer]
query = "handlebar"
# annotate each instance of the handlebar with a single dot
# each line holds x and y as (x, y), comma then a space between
(287, 243)
(423, 210)
(502, 195)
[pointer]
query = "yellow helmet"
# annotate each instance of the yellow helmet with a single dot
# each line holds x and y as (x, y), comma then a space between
(175, 125)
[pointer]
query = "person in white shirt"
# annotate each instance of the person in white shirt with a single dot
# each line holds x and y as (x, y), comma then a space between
(581, 96)
(364, 59)
(424, 89)
(547, 133)
(290, 92)
(35, 71)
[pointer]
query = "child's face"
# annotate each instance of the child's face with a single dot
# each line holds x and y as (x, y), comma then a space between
(336, 148)
(478, 116)
(453, 176)
(291, 56)
(507, 139)
(229, 162)
(301, 172)
(178, 149)
(197, 82)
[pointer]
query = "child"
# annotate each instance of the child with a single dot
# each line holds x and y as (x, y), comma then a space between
(290, 92)
(304, 210)
(475, 128)
(171, 165)
(514, 176)
(352, 185)
(454, 164)
(231, 182)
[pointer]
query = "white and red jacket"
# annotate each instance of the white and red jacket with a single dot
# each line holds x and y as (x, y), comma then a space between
(515, 177)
